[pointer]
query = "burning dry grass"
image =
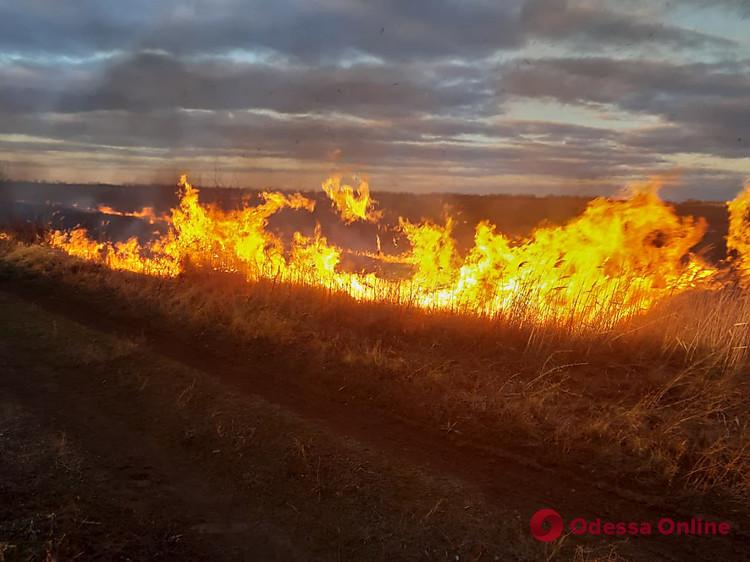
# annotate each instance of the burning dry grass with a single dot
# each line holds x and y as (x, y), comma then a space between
(662, 399)
(618, 259)
(606, 338)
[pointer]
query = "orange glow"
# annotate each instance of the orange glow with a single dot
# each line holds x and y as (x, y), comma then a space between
(146, 213)
(617, 259)
(738, 238)
(350, 205)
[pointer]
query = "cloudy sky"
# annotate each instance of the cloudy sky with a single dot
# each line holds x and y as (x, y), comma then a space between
(530, 96)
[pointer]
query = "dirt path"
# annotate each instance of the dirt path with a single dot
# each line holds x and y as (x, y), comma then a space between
(109, 451)
(97, 467)
(114, 496)
(513, 486)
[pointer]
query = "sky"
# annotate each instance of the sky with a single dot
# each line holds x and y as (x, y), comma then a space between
(470, 96)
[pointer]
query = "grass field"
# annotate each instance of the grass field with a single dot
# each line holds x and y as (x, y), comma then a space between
(603, 374)
(652, 416)
(662, 401)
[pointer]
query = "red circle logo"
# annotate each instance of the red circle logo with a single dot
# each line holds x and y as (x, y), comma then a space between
(546, 525)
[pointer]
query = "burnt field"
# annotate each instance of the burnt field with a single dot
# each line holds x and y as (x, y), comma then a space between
(403, 401)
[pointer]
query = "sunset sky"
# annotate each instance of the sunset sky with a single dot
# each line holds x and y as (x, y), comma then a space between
(534, 96)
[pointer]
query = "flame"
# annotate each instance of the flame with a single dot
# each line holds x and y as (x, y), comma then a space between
(352, 207)
(433, 253)
(146, 213)
(77, 244)
(738, 237)
(617, 259)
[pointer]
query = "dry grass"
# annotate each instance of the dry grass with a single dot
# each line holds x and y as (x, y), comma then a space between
(710, 328)
(663, 399)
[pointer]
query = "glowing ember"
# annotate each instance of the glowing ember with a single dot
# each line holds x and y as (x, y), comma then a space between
(617, 259)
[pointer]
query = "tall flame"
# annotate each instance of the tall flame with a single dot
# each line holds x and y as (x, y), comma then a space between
(617, 259)
(350, 205)
(738, 238)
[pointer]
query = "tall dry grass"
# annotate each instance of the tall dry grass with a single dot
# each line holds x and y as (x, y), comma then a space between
(661, 398)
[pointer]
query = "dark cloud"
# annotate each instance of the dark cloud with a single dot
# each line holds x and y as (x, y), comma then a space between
(152, 81)
(635, 84)
(404, 87)
(706, 104)
(741, 7)
(149, 81)
(331, 28)
(691, 139)
(554, 20)
(394, 30)
(552, 150)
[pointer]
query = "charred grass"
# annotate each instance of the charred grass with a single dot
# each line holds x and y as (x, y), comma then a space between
(659, 405)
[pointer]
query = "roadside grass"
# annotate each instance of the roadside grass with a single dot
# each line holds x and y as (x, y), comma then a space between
(663, 401)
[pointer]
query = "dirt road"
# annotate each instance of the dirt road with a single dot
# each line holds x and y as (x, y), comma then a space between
(126, 443)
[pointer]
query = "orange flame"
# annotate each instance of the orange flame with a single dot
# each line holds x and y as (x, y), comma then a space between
(146, 213)
(617, 259)
(350, 205)
(738, 238)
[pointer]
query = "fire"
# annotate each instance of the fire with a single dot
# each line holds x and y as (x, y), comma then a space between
(77, 244)
(738, 238)
(433, 254)
(350, 205)
(146, 213)
(617, 259)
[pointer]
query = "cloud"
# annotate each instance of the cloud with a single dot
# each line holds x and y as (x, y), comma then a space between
(704, 103)
(740, 7)
(149, 81)
(554, 20)
(328, 29)
(397, 146)
(409, 89)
